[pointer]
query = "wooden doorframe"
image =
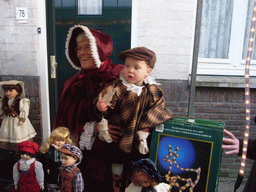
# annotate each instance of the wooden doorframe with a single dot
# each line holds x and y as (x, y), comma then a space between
(42, 59)
(134, 23)
(51, 50)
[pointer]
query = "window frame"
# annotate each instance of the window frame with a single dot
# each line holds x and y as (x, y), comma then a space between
(234, 65)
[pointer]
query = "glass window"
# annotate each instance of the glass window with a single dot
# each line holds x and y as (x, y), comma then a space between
(224, 35)
(247, 30)
(215, 29)
(90, 7)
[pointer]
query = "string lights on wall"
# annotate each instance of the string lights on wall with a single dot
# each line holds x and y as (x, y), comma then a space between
(247, 99)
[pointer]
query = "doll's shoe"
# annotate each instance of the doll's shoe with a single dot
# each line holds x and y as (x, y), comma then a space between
(117, 182)
(143, 145)
(104, 134)
(117, 176)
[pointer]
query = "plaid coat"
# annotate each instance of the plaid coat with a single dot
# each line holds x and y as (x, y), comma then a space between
(133, 113)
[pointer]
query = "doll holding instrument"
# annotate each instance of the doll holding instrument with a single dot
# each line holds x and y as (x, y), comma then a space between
(14, 111)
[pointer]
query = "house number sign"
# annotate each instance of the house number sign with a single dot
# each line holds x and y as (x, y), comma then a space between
(22, 14)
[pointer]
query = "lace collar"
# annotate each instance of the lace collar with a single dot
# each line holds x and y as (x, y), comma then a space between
(138, 89)
(55, 146)
(27, 162)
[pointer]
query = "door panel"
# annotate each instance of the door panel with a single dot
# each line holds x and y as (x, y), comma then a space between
(63, 14)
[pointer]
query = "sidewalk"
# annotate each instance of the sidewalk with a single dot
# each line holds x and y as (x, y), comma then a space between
(227, 184)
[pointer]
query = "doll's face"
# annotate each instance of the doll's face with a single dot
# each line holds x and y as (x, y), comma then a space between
(58, 142)
(135, 71)
(84, 55)
(67, 160)
(11, 93)
(25, 157)
(142, 179)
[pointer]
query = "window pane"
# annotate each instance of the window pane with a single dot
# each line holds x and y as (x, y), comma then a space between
(247, 31)
(215, 29)
(90, 7)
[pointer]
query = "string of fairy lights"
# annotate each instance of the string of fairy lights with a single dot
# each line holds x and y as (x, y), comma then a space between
(247, 91)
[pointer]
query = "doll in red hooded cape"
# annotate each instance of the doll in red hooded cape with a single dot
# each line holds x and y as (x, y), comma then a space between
(87, 50)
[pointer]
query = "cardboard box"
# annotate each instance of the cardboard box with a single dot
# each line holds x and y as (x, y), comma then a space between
(188, 153)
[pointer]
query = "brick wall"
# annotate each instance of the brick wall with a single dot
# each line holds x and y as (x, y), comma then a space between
(32, 93)
(217, 104)
(18, 41)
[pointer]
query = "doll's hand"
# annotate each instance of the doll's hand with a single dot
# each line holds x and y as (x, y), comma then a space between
(20, 123)
(143, 145)
(16, 187)
(42, 187)
(114, 131)
(102, 105)
(231, 143)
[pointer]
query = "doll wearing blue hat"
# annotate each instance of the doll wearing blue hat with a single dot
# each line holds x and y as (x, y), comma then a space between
(146, 178)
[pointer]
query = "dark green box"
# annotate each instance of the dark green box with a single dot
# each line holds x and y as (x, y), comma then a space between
(188, 148)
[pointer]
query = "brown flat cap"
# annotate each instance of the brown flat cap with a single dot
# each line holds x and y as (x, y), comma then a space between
(140, 53)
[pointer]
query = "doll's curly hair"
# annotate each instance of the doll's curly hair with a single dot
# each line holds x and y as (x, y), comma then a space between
(61, 133)
(13, 110)
(138, 173)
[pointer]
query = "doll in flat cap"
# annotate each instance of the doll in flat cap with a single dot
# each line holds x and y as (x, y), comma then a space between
(52, 159)
(14, 111)
(28, 174)
(133, 102)
(70, 179)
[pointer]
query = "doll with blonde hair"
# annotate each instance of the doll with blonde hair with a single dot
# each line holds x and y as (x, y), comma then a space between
(52, 156)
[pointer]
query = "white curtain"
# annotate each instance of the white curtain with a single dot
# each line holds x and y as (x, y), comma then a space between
(215, 29)
(247, 31)
(89, 7)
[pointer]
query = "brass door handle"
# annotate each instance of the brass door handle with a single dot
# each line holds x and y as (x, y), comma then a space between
(53, 66)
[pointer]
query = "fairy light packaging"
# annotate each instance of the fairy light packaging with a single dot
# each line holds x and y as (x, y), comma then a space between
(188, 153)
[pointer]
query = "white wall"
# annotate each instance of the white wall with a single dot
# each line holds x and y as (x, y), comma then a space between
(23, 51)
(166, 27)
(18, 42)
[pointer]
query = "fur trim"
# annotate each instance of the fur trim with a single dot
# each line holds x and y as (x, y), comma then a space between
(66, 48)
(92, 42)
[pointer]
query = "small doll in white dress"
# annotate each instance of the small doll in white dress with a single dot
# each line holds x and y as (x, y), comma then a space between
(14, 111)
(146, 178)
